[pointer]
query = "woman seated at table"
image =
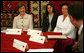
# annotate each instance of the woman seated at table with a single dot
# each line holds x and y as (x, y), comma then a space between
(65, 26)
(50, 18)
(23, 20)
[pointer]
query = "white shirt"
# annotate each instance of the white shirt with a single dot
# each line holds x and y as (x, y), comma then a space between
(80, 29)
(23, 23)
(50, 19)
(65, 27)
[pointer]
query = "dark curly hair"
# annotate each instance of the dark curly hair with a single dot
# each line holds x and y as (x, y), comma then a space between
(63, 5)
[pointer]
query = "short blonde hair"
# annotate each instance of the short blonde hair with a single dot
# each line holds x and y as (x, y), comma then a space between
(19, 5)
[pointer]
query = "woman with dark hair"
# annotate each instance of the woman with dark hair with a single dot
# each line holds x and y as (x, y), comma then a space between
(50, 18)
(65, 27)
(23, 20)
(63, 23)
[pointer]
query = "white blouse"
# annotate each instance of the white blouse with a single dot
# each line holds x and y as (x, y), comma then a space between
(50, 19)
(23, 23)
(65, 27)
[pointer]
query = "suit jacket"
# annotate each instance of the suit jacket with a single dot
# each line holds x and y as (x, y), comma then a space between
(46, 22)
(23, 23)
(80, 43)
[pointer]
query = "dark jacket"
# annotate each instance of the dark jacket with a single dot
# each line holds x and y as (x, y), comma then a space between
(80, 43)
(46, 22)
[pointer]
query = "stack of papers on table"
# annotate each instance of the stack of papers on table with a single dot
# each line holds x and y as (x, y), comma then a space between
(56, 36)
(40, 50)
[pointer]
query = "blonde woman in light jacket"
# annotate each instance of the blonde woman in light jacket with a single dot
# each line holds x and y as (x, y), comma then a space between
(23, 20)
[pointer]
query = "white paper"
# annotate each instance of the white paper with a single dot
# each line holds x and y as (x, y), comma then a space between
(20, 45)
(57, 36)
(34, 32)
(40, 50)
(3, 31)
(14, 31)
(39, 39)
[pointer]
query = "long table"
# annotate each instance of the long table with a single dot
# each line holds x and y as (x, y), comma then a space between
(7, 42)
